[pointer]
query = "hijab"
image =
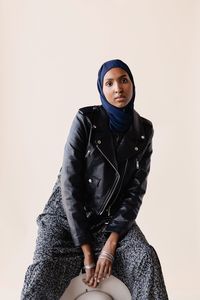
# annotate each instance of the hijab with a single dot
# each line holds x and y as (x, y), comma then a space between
(121, 118)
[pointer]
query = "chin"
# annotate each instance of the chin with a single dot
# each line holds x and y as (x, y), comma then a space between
(120, 105)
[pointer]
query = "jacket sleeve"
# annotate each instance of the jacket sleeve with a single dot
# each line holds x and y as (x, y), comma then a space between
(72, 177)
(132, 196)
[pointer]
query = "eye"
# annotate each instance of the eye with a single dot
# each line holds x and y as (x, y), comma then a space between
(124, 80)
(108, 83)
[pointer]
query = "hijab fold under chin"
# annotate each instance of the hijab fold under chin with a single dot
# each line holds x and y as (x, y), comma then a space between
(120, 118)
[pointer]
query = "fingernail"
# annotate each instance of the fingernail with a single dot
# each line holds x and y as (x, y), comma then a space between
(98, 280)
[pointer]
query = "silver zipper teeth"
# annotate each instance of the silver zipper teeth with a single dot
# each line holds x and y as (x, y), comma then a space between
(109, 196)
(114, 184)
(89, 137)
(119, 188)
(116, 180)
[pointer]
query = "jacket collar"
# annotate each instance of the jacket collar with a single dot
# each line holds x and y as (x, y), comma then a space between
(102, 136)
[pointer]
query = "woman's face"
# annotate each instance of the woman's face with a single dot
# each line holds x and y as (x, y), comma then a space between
(117, 87)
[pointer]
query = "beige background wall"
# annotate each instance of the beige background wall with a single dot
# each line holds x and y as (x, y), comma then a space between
(50, 53)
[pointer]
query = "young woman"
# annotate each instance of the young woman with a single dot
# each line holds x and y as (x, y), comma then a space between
(89, 219)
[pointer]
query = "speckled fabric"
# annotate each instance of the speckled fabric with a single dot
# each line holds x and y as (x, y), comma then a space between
(56, 261)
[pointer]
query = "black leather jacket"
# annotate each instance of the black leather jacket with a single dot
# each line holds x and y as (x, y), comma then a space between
(98, 180)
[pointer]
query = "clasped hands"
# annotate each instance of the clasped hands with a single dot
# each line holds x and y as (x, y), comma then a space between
(97, 273)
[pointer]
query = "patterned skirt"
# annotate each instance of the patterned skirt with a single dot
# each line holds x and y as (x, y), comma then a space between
(56, 260)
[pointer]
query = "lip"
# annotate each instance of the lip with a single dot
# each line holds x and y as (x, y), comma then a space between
(120, 98)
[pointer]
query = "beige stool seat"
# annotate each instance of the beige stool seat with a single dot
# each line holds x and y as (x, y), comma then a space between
(97, 295)
(110, 289)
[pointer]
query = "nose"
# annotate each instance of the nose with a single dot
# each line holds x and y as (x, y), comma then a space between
(118, 87)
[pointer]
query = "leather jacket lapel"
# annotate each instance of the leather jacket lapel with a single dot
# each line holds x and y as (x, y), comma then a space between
(102, 137)
(131, 141)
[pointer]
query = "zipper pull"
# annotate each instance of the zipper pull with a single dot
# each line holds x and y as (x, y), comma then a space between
(137, 164)
(109, 208)
(88, 153)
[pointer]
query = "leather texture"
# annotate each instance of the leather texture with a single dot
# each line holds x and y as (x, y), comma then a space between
(98, 180)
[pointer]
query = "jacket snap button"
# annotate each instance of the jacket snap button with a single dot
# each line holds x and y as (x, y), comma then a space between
(136, 148)
(99, 142)
(90, 180)
(142, 137)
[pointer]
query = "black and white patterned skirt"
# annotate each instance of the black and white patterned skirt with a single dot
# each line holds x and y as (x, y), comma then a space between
(56, 260)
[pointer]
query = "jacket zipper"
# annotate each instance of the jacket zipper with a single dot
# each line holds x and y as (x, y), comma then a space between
(113, 187)
(109, 208)
(89, 138)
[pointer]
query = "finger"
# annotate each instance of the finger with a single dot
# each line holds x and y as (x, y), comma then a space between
(89, 275)
(95, 283)
(109, 270)
(84, 280)
(105, 272)
(101, 271)
(97, 270)
(91, 281)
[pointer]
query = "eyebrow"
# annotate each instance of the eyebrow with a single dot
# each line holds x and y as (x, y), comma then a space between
(124, 75)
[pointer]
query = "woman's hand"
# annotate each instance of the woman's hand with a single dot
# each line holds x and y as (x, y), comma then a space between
(103, 269)
(89, 264)
(104, 263)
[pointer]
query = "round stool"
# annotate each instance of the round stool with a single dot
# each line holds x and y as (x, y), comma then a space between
(110, 289)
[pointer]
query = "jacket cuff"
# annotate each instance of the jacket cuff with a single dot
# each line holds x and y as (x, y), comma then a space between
(119, 227)
(80, 240)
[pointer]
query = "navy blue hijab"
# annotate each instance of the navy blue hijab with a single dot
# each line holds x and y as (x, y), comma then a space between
(120, 118)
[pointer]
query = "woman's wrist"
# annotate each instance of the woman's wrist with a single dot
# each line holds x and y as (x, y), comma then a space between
(112, 241)
(87, 250)
(89, 261)
(113, 238)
